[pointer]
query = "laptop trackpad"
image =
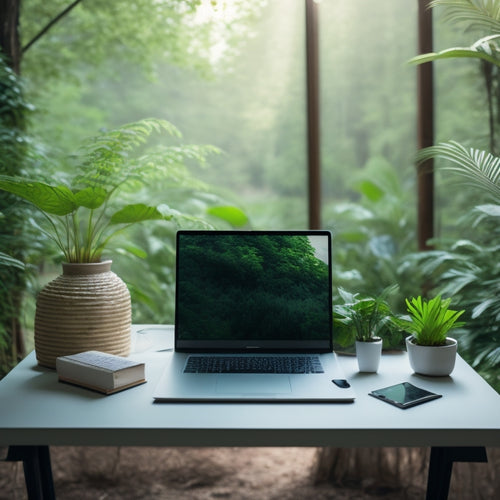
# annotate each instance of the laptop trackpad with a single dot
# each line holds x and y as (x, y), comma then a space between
(253, 384)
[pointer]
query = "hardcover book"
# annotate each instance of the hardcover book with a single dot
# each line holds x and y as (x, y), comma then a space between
(100, 371)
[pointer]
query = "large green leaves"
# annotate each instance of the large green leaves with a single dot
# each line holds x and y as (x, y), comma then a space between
(91, 197)
(55, 200)
(139, 212)
(233, 215)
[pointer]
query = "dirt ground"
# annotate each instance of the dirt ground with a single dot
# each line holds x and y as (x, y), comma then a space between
(189, 474)
(218, 473)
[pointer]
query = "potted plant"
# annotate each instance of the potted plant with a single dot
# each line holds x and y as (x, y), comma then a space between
(365, 320)
(88, 306)
(430, 350)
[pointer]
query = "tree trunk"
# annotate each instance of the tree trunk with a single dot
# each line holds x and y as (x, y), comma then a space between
(13, 239)
(9, 33)
(372, 469)
(12, 280)
(403, 471)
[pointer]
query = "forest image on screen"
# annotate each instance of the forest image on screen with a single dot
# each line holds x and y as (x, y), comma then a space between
(238, 287)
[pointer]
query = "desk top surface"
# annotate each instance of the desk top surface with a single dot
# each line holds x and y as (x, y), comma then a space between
(36, 409)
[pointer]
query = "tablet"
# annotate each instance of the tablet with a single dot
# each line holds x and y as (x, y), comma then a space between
(404, 395)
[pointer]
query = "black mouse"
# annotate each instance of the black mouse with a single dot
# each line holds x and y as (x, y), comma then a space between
(341, 382)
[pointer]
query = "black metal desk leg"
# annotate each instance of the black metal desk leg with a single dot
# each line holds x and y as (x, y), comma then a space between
(46, 473)
(37, 470)
(441, 465)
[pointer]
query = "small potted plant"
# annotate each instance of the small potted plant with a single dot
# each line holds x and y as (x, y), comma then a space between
(430, 350)
(365, 320)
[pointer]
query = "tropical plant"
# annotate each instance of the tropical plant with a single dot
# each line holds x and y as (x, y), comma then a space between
(365, 318)
(469, 272)
(468, 269)
(82, 215)
(481, 17)
(431, 320)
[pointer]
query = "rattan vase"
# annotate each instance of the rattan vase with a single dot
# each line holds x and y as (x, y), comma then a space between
(86, 308)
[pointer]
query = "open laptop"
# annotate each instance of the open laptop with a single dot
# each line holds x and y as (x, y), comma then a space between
(253, 319)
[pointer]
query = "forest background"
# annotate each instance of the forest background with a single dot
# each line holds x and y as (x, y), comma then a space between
(231, 74)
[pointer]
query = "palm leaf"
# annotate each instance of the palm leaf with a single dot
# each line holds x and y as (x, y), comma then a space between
(491, 210)
(7, 260)
(477, 166)
(483, 49)
(476, 15)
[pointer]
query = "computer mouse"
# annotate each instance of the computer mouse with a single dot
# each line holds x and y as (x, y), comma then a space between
(341, 382)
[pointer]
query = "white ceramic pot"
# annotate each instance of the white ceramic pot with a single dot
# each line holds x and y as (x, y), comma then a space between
(368, 355)
(436, 361)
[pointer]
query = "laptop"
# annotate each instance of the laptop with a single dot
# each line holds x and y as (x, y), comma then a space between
(253, 319)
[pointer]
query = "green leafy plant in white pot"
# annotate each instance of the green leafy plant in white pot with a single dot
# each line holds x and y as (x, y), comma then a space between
(88, 306)
(430, 350)
(365, 320)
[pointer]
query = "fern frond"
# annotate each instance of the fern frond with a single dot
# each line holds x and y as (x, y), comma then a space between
(107, 160)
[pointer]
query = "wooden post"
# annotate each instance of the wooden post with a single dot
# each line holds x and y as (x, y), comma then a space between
(425, 128)
(313, 118)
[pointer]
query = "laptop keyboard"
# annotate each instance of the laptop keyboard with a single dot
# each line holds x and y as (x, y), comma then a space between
(253, 364)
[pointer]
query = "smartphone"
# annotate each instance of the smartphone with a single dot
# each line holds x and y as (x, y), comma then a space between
(404, 395)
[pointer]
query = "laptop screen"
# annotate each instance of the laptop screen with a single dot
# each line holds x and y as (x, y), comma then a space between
(253, 290)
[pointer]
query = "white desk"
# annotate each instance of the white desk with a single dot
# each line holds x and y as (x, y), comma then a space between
(37, 411)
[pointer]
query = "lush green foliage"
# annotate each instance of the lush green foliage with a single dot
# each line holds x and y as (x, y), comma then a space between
(431, 320)
(150, 28)
(467, 269)
(469, 272)
(267, 283)
(15, 243)
(373, 235)
(365, 318)
(149, 271)
(10, 270)
(82, 216)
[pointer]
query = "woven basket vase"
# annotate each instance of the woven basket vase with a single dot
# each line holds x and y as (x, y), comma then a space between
(86, 308)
